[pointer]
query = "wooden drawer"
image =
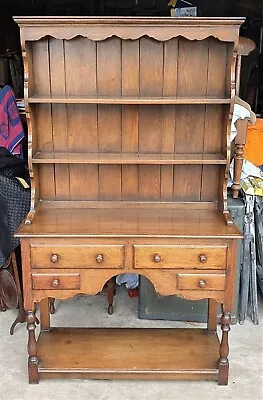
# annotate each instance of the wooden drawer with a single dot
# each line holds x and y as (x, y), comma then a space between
(56, 281)
(77, 256)
(179, 256)
(201, 281)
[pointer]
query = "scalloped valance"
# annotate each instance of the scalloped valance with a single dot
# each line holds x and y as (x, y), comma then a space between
(96, 28)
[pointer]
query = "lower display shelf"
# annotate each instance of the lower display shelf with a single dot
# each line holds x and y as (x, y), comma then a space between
(124, 353)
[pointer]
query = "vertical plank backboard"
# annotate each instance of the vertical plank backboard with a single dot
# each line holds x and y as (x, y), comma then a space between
(150, 117)
(214, 128)
(80, 70)
(41, 76)
(81, 80)
(210, 182)
(170, 73)
(189, 138)
(109, 116)
(187, 182)
(59, 115)
(192, 67)
(190, 127)
(217, 64)
(130, 122)
(42, 115)
(32, 122)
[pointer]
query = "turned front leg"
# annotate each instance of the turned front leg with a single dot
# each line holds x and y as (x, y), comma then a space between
(32, 348)
(240, 141)
(224, 350)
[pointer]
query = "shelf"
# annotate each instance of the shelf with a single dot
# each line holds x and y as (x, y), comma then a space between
(125, 100)
(126, 158)
(61, 219)
(187, 354)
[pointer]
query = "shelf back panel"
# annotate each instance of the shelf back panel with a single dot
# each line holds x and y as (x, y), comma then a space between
(198, 183)
(142, 67)
(143, 129)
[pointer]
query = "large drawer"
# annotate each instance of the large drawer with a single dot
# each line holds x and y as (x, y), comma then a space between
(69, 281)
(77, 256)
(180, 256)
(201, 281)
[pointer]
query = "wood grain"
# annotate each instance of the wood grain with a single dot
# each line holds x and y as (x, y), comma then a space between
(55, 222)
(201, 281)
(173, 256)
(129, 148)
(78, 256)
(143, 353)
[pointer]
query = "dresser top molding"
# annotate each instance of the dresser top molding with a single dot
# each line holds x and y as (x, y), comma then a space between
(101, 28)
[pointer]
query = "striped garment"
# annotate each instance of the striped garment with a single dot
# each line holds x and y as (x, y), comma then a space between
(11, 129)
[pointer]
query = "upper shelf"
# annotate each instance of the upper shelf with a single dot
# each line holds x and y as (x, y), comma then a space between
(125, 100)
(125, 158)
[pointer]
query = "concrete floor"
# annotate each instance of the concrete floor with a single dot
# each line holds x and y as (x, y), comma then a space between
(246, 359)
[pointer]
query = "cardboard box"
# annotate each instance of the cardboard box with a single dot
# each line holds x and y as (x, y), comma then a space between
(184, 12)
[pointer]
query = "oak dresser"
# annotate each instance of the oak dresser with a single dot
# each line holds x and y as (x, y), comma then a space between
(129, 152)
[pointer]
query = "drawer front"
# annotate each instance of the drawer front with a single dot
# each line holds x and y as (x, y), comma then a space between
(78, 256)
(179, 256)
(56, 281)
(201, 281)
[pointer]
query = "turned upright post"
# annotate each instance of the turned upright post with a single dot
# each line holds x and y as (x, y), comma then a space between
(224, 350)
(240, 140)
(32, 348)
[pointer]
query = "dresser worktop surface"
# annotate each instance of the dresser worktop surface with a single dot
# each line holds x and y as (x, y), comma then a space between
(128, 222)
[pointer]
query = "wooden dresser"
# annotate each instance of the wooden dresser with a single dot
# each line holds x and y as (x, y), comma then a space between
(129, 152)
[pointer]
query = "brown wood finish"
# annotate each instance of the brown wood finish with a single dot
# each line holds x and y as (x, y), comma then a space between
(76, 350)
(129, 153)
(127, 100)
(240, 141)
(100, 256)
(179, 257)
(212, 315)
(224, 350)
(56, 281)
(32, 348)
(44, 314)
(192, 281)
(126, 158)
(51, 282)
(128, 222)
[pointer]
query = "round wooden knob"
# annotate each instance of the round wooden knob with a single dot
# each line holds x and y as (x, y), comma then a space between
(202, 283)
(157, 258)
(202, 258)
(99, 258)
(54, 258)
(55, 283)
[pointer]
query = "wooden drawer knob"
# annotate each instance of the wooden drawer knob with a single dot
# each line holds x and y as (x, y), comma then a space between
(202, 283)
(157, 258)
(54, 258)
(202, 258)
(55, 283)
(99, 258)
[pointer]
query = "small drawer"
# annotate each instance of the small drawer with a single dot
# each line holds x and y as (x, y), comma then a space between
(77, 256)
(201, 281)
(56, 281)
(179, 256)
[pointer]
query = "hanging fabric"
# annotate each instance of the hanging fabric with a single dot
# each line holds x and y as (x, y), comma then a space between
(11, 129)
